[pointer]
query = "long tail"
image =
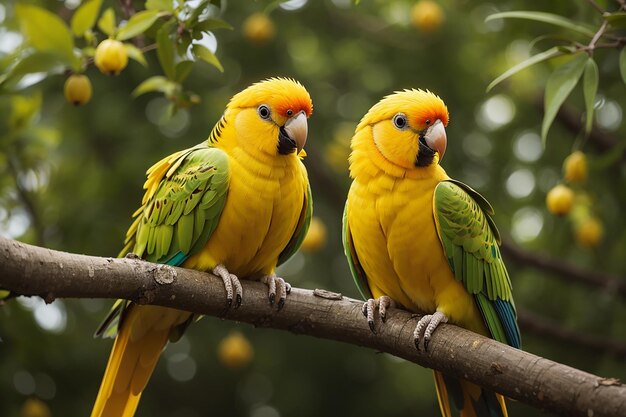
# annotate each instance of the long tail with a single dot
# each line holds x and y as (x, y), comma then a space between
(143, 335)
(468, 399)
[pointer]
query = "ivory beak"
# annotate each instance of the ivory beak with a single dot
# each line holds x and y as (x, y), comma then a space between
(297, 129)
(436, 138)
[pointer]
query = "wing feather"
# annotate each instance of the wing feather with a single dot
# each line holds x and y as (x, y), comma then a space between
(358, 274)
(470, 241)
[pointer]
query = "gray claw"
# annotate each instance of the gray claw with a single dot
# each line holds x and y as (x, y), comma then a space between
(231, 285)
(426, 326)
(277, 288)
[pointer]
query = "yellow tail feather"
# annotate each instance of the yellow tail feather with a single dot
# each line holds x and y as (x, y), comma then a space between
(471, 397)
(142, 336)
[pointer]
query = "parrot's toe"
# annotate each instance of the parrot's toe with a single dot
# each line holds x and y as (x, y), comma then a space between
(277, 288)
(381, 304)
(231, 285)
(426, 326)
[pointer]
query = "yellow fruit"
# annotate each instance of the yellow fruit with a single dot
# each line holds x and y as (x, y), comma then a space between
(427, 16)
(258, 29)
(589, 232)
(235, 351)
(111, 57)
(560, 200)
(315, 237)
(575, 167)
(77, 89)
(34, 407)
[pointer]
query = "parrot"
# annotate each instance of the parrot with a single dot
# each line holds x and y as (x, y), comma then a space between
(417, 239)
(237, 205)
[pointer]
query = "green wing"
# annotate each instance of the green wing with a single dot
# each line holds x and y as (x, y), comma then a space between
(358, 274)
(301, 229)
(185, 195)
(470, 241)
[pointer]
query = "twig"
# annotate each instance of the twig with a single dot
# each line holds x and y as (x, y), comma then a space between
(31, 270)
(597, 37)
(25, 197)
(596, 6)
(127, 8)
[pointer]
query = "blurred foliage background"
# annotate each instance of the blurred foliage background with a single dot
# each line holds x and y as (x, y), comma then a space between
(71, 176)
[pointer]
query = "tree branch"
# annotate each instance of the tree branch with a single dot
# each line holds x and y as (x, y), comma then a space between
(565, 271)
(31, 270)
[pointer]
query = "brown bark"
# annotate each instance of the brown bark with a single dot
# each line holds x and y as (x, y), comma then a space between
(30, 270)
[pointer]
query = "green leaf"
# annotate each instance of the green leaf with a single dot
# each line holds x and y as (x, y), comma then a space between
(535, 59)
(46, 32)
(549, 18)
(617, 19)
(156, 83)
(206, 55)
(196, 11)
(85, 16)
(560, 84)
(34, 63)
(622, 64)
(107, 22)
(139, 23)
(135, 54)
(590, 88)
(165, 50)
(160, 5)
(212, 24)
(183, 68)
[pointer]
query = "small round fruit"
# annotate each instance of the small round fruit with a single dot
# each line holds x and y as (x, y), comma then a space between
(34, 407)
(259, 29)
(560, 200)
(589, 232)
(111, 57)
(315, 237)
(427, 16)
(575, 168)
(235, 351)
(77, 89)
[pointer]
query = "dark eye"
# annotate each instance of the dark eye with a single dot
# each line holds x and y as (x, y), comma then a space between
(264, 111)
(427, 122)
(399, 120)
(289, 113)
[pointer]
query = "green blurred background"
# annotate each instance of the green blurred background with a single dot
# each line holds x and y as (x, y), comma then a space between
(71, 177)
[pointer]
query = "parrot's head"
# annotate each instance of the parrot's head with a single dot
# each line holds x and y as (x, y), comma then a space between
(408, 128)
(271, 116)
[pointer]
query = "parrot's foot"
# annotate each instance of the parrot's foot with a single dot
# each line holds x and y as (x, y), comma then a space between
(381, 304)
(230, 281)
(426, 326)
(277, 287)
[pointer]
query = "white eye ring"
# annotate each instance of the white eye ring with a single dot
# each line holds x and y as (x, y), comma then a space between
(400, 121)
(264, 111)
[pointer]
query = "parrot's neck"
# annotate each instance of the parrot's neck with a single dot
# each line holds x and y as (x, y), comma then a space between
(367, 162)
(249, 155)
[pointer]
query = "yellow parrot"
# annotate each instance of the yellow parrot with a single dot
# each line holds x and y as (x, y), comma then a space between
(238, 205)
(416, 238)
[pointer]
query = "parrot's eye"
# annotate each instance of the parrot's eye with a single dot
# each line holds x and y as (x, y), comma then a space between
(427, 122)
(264, 111)
(399, 120)
(289, 113)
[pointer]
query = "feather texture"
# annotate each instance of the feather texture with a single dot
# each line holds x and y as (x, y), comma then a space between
(232, 200)
(423, 239)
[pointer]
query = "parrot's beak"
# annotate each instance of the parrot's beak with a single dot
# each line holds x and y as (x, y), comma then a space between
(297, 129)
(436, 138)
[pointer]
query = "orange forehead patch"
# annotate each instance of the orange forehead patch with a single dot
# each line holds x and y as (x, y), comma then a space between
(418, 105)
(295, 104)
(281, 94)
